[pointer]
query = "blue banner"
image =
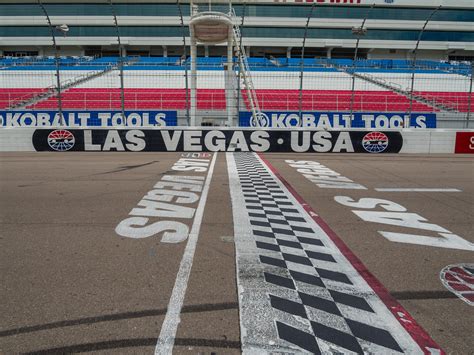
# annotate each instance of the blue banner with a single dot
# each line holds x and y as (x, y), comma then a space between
(336, 120)
(135, 118)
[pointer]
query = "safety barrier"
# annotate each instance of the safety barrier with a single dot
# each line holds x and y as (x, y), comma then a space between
(245, 139)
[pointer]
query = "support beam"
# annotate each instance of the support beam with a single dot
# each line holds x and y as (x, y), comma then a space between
(193, 82)
(329, 52)
(230, 102)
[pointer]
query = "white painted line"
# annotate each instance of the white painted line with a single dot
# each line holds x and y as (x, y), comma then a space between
(408, 189)
(173, 315)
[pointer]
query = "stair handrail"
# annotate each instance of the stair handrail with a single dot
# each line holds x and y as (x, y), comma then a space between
(245, 70)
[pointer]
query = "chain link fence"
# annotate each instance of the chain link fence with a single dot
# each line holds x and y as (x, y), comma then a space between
(300, 83)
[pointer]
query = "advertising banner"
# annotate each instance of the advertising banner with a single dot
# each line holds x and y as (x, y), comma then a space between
(135, 118)
(464, 143)
(214, 140)
(336, 120)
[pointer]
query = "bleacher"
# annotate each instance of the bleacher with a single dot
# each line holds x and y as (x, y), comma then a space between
(13, 63)
(397, 65)
(158, 83)
(459, 101)
(11, 95)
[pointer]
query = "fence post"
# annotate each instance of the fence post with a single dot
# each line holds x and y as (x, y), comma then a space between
(242, 22)
(469, 98)
(120, 64)
(57, 63)
(360, 31)
(300, 101)
(413, 65)
(185, 54)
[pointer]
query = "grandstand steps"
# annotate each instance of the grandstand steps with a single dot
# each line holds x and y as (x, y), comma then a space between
(419, 98)
(23, 102)
(433, 103)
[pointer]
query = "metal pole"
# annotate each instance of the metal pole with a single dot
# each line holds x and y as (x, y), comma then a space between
(57, 62)
(300, 103)
(229, 72)
(469, 98)
(359, 34)
(192, 119)
(242, 22)
(193, 80)
(415, 52)
(185, 52)
(120, 63)
(238, 66)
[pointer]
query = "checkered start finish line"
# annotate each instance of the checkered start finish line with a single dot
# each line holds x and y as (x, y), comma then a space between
(298, 291)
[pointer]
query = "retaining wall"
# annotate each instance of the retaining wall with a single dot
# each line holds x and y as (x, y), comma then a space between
(421, 141)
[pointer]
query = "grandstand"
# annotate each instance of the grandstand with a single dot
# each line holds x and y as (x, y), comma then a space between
(377, 71)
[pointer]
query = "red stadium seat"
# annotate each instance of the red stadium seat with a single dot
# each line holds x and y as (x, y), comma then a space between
(214, 99)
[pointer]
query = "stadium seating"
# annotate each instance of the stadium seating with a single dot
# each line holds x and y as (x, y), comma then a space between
(158, 83)
(12, 95)
(255, 62)
(458, 101)
(214, 99)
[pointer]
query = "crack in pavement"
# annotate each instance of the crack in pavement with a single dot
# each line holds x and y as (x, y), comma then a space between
(125, 168)
(127, 343)
(207, 307)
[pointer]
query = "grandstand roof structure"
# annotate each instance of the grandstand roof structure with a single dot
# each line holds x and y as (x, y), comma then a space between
(157, 28)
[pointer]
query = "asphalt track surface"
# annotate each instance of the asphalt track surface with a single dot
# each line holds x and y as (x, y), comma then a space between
(70, 283)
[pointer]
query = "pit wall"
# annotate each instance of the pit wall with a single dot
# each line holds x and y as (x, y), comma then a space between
(419, 141)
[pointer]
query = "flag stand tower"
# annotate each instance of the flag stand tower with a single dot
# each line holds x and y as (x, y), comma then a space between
(211, 27)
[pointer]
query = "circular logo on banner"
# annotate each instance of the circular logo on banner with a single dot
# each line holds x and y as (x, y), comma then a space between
(375, 142)
(459, 279)
(61, 140)
(259, 120)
